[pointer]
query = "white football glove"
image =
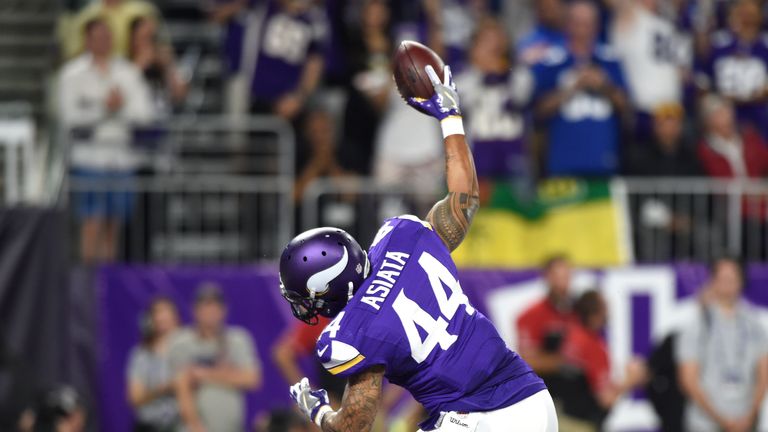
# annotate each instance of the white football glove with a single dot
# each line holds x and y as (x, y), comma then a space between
(313, 403)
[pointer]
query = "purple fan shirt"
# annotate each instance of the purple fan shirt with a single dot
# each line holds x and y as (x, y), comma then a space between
(286, 41)
(494, 107)
(740, 70)
(412, 317)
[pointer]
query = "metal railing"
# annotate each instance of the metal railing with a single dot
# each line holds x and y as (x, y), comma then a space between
(220, 190)
(359, 205)
(669, 219)
(698, 219)
(17, 141)
(215, 219)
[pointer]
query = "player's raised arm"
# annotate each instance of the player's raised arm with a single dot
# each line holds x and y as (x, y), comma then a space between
(358, 407)
(451, 216)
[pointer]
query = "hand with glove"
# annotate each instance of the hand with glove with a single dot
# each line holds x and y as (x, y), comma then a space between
(313, 403)
(444, 104)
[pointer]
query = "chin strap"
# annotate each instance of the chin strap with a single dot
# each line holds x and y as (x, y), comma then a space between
(351, 291)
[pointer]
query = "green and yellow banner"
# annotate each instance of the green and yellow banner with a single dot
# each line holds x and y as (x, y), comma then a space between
(578, 218)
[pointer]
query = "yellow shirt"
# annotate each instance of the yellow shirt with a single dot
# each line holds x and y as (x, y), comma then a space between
(118, 19)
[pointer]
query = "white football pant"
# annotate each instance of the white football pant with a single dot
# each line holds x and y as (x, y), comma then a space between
(534, 414)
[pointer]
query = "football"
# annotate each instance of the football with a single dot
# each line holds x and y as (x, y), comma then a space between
(408, 65)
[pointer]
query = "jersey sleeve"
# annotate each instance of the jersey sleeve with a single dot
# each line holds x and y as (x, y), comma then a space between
(349, 351)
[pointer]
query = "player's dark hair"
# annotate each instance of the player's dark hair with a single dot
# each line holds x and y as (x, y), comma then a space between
(588, 304)
(554, 260)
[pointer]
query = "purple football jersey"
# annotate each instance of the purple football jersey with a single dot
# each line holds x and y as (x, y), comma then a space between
(411, 316)
(740, 71)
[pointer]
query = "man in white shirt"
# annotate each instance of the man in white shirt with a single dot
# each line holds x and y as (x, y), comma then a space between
(101, 98)
(649, 46)
(722, 357)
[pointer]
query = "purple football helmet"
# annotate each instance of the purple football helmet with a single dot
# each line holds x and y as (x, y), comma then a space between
(320, 270)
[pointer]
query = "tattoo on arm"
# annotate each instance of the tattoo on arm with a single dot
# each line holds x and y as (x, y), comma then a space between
(452, 216)
(359, 405)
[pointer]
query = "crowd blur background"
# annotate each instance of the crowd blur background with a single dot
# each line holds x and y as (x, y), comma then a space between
(157, 155)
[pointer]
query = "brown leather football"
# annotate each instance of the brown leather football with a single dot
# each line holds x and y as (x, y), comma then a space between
(408, 65)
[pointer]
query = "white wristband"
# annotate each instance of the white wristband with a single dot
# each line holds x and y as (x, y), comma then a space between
(321, 412)
(452, 125)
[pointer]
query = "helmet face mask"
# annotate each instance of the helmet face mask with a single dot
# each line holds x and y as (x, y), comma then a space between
(304, 309)
(320, 270)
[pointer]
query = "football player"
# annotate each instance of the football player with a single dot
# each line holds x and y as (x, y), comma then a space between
(400, 313)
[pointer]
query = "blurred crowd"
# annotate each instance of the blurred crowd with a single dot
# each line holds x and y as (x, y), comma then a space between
(693, 378)
(584, 88)
(709, 374)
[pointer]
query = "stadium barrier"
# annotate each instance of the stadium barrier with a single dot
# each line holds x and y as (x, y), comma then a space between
(613, 222)
(697, 219)
(17, 141)
(192, 218)
(210, 189)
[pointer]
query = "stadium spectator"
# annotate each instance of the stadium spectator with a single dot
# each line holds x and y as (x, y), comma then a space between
(495, 93)
(237, 24)
(723, 357)
(118, 14)
(518, 17)
(285, 69)
(461, 18)
(542, 327)
(727, 152)
(150, 381)
(101, 98)
(421, 21)
(407, 154)
(581, 98)
(157, 64)
(586, 349)
(368, 54)
(297, 342)
(737, 67)
(320, 135)
(667, 154)
(724, 150)
(214, 365)
(548, 32)
(649, 46)
(407, 149)
(541, 330)
(59, 409)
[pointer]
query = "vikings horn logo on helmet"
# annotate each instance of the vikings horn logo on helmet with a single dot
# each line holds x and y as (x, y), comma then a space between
(318, 282)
